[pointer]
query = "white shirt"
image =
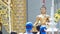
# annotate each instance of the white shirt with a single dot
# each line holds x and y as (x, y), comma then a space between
(28, 33)
(38, 32)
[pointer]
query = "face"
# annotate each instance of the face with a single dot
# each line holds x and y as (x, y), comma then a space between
(43, 10)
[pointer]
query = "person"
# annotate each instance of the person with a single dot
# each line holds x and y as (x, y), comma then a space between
(43, 29)
(29, 27)
(43, 18)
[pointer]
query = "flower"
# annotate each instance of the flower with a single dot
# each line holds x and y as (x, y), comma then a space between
(57, 16)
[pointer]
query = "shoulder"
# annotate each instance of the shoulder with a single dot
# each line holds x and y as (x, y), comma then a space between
(47, 15)
(39, 15)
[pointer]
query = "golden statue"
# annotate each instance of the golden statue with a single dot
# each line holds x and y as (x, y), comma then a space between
(42, 19)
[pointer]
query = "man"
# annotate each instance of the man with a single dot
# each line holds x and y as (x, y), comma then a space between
(42, 19)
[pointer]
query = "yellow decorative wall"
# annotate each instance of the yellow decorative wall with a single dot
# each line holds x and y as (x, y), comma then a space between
(4, 16)
(18, 15)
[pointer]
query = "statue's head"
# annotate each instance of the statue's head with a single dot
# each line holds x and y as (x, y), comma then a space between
(43, 10)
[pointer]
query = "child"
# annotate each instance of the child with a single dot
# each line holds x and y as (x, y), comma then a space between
(29, 27)
(43, 29)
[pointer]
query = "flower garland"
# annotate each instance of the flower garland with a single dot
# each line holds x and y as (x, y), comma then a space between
(57, 15)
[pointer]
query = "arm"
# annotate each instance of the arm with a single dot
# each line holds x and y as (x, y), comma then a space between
(48, 19)
(37, 19)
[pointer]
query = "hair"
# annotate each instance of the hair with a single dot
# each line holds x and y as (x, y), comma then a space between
(43, 6)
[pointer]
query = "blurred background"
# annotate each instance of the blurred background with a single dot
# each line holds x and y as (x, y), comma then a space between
(21, 12)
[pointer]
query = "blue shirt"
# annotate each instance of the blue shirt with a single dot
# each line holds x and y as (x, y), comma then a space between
(42, 29)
